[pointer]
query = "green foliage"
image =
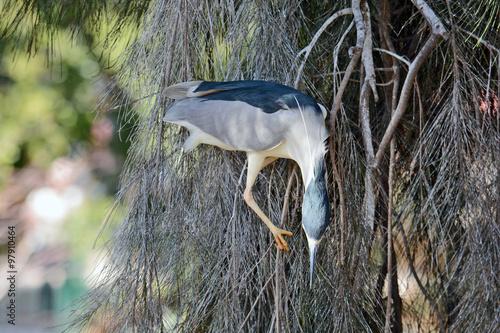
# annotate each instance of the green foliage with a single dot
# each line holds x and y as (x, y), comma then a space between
(46, 113)
(32, 26)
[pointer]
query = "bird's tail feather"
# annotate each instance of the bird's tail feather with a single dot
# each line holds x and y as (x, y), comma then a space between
(182, 90)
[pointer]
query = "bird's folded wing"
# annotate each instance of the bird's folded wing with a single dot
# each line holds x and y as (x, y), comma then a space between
(236, 123)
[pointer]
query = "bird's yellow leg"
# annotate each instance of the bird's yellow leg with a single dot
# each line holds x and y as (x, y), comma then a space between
(255, 164)
(268, 161)
(277, 232)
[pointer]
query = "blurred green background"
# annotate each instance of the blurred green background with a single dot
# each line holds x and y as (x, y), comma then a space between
(60, 158)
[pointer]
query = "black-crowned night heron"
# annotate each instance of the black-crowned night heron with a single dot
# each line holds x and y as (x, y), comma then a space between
(268, 121)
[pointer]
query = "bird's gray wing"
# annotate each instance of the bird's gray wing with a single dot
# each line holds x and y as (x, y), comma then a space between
(235, 123)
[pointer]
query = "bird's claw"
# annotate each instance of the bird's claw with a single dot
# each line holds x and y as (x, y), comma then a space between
(280, 241)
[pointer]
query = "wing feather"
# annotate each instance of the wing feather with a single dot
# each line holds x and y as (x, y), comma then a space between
(235, 123)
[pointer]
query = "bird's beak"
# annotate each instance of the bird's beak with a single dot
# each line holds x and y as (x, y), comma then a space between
(313, 245)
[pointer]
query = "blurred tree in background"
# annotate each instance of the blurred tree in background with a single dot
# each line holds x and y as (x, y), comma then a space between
(413, 162)
(59, 160)
(45, 113)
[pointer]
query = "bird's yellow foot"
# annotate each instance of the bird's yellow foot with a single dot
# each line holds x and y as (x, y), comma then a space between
(280, 241)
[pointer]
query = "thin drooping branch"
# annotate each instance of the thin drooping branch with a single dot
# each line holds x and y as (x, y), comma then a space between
(165, 82)
(120, 106)
(277, 290)
(393, 54)
(363, 23)
(256, 302)
(355, 53)
(336, 49)
(307, 50)
(343, 212)
(186, 42)
(286, 202)
(480, 40)
(362, 19)
(391, 258)
(347, 73)
(333, 153)
(367, 54)
(438, 32)
(459, 56)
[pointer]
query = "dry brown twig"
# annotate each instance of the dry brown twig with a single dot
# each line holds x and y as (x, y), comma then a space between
(343, 212)
(391, 260)
(364, 37)
(438, 32)
(307, 50)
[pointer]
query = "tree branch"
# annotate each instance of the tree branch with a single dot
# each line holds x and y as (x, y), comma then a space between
(362, 20)
(343, 84)
(367, 55)
(369, 199)
(485, 42)
(307, 50)
(354, 53)
(343, 212)
(438, 33)
(255, 303)
(431, 17)
(347, 72)
(391, 256)
(390, 259)
(393, 54)
(284, 211)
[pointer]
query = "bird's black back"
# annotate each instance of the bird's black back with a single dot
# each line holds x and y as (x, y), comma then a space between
(268, 96)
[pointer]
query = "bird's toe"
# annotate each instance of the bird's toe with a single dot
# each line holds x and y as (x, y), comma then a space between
(280, 241)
